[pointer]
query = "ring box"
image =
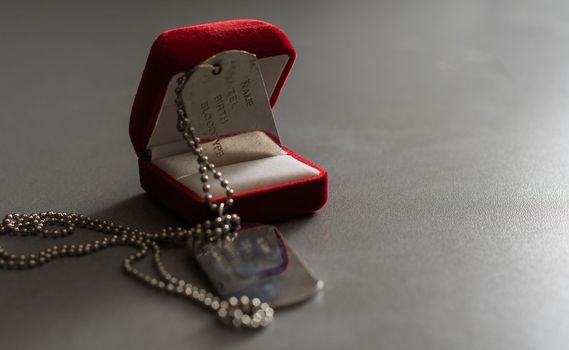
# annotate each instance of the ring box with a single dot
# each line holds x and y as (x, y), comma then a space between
(271, 182)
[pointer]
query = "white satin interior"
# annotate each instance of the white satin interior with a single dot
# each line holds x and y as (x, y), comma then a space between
(249, 161)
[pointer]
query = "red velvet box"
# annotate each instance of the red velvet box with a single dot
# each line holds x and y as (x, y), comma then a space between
(178, 50)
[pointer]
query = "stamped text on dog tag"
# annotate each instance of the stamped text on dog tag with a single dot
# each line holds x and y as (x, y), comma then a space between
(226, 95)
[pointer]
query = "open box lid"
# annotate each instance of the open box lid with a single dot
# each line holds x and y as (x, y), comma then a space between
(178, 50)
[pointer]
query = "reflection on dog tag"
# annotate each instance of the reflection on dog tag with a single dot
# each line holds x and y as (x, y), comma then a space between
(259, 264)
(226, 95)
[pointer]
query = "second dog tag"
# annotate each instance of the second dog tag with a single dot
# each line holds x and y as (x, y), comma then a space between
(258, 263)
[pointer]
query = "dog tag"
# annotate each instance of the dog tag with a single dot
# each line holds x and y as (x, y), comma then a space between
(258, 263)
(226, 95)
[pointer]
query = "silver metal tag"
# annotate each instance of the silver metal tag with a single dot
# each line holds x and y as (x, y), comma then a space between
(258, 263)
(226, 95)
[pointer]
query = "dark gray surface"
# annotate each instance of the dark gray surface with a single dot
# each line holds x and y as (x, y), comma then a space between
(443, 125)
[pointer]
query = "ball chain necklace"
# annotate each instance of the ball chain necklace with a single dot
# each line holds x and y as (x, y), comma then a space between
(242, 312)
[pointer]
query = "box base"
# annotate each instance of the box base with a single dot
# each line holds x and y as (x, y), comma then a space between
(260, 205)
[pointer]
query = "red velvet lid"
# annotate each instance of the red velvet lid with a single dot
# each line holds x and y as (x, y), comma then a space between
(177, 50)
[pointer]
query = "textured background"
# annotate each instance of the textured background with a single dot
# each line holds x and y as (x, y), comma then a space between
(443, 125)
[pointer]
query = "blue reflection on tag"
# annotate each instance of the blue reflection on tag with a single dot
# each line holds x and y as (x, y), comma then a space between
(258, 263)
(259, 254)
(247, 265)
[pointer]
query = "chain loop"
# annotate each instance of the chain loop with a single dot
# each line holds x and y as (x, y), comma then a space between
(239, 312)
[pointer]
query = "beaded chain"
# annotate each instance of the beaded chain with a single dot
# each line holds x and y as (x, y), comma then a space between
(240, 312)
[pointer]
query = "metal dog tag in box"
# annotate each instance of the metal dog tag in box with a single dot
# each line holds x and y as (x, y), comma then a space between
(226, 95)
(257, 263)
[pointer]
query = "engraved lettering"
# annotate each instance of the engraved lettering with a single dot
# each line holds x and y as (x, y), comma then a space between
(220, 109)
(218, 148)
(232, 98)
(246, 92)
(207, 116)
